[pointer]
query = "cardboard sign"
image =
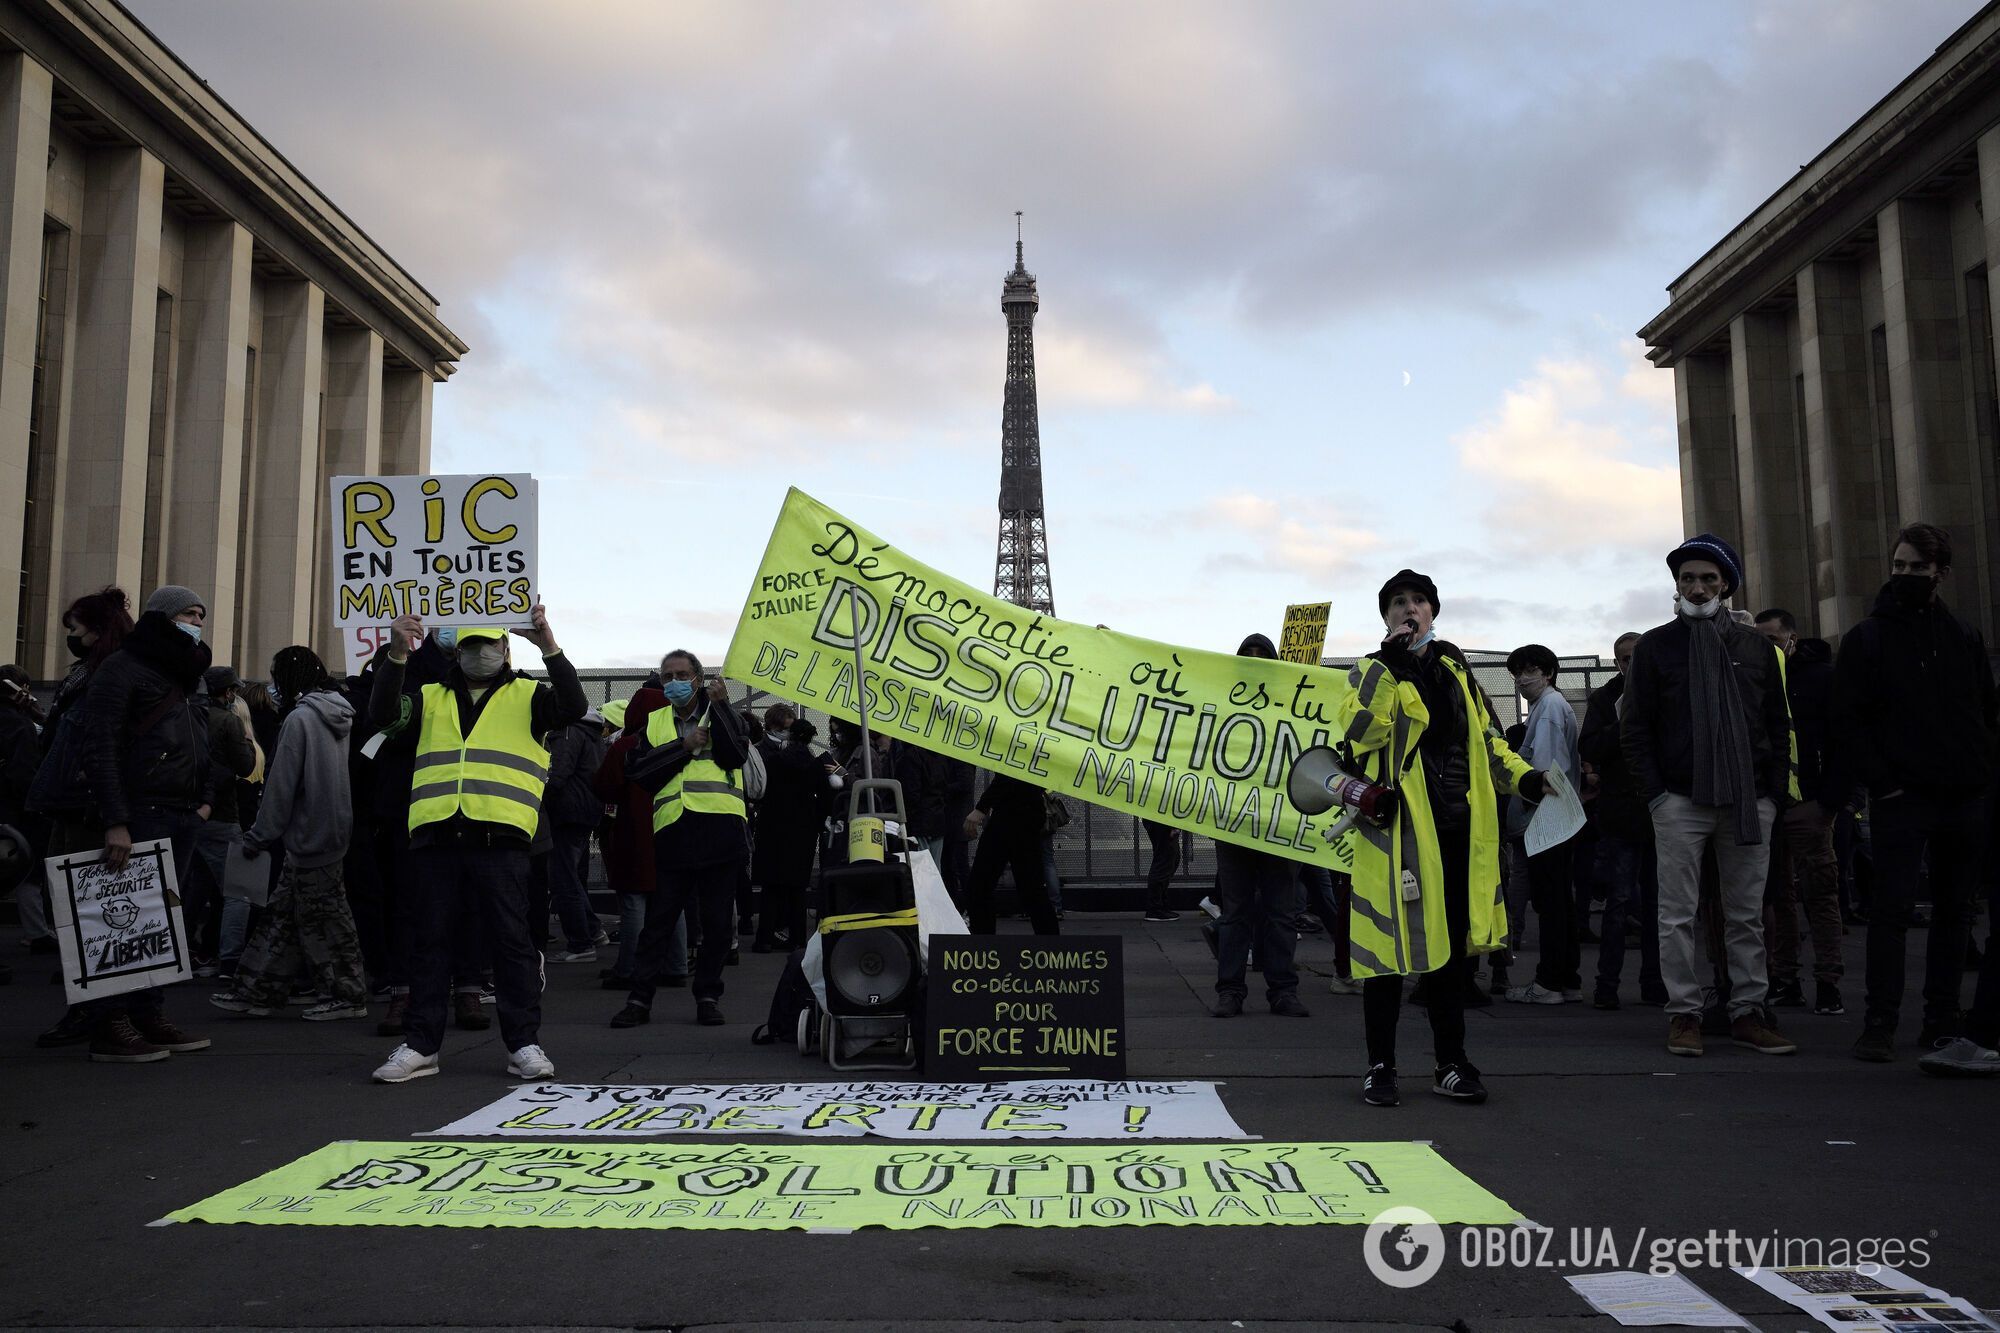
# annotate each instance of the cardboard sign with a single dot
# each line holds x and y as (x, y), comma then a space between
(1012, 1006)
(118, 930)
(839, 1187)
(454, 549)
(1304, 636)
(1062, 1109)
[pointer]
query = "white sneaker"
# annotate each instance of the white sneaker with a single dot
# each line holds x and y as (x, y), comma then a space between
(332, 1009)
(1533, 994)
(1343, 985)
(1960, 1058)
(405, 1064)
(531, 1062)
(576, 956)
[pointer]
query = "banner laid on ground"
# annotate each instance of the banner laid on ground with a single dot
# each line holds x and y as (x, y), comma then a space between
(118, 930)
(1065, 1109)
(1199, 740)
(1304, 636)
(454, 549)
(829, 1187)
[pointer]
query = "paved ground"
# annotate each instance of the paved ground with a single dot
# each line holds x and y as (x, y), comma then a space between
(1591, 1124)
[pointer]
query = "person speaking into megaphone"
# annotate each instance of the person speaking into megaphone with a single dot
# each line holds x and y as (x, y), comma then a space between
(1425, 886)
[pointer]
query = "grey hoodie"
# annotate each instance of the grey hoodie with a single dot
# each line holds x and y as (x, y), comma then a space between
(307, 805)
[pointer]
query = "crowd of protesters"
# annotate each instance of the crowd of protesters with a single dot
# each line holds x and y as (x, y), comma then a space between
(397, 844)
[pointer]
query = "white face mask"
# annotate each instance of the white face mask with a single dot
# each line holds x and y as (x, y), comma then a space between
(1707, 610)
(482, 660)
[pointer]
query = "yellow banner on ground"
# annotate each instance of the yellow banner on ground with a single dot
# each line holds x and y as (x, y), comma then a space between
(819, 1187)
(1199, 740)
(1304, 636)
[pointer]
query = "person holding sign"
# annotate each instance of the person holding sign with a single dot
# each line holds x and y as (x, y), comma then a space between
(1426, 889)
(475, 800)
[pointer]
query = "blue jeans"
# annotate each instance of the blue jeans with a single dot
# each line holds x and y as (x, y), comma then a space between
(567, 892)
(1629, 875)
(1259, 896)
(631, 923)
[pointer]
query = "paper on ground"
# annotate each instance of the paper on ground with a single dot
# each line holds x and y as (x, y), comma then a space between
(1645, 1300)
(1558, 818)
(1870, 1298)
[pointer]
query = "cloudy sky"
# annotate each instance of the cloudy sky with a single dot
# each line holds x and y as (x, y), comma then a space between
(1327, 289)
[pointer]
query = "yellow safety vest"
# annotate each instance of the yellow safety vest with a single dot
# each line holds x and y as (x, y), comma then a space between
(701, 787)
(1397, 924)
(493, 776)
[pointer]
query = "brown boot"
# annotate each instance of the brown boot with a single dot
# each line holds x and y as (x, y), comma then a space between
(157, 1030)
(1751, 1030)
(117, 1042)
(1684, 1034)
(392, 1018)
(466, 1013)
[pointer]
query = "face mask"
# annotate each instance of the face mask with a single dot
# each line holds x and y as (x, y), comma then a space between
(275, 695)
(192, 631)
(1417, 645)
(447, 638)
(1912, 591)
(482, 661)
(678, 692)
(77, 647)
(1708, 610)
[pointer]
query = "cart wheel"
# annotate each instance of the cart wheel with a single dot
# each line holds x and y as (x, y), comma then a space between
(826, 1036)
(805, 1032)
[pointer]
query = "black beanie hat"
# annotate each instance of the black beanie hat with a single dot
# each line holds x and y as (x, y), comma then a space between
(1407, 578)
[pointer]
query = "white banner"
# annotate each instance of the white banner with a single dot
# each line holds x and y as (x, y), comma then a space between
(1068, 1109)
(454, 549)
(118, 930)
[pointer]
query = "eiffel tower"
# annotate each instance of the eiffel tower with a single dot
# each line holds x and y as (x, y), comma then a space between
(1021, 568)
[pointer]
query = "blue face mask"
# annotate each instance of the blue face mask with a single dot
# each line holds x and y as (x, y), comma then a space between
(447, 637)
(678, 692)
(192, 631)
(1418, 644)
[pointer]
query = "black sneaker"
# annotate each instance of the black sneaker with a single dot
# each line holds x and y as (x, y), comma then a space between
(1460, 1082)
(631, 1016)
(74, 1026)
(1287, 1005)
(708, 1013)
(1604, 999)
(1162, 914)
(1378, 1087)
(1876, 1045)
(1828, 1000)
(1787, 995)
(1228, 1006)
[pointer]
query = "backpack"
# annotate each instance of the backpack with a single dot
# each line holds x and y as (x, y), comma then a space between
(793, 997)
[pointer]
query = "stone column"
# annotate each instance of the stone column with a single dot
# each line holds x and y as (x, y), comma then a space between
(406, 421)
(1768, 466)
(284, 565)
(1703, 404)
(353, 448)
(104, 520)
(1840, 443)
(1937, 471)
(25, 92)
(208, 433)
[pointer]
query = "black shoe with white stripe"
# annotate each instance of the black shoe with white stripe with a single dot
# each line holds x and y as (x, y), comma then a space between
(1460, 1082)
(1378, 1088)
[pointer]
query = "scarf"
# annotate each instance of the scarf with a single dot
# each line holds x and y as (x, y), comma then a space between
(1723, 773)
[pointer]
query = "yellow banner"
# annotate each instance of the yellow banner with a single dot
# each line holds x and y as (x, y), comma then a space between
(839, 1188)
(1199, 740)
(1304, 636)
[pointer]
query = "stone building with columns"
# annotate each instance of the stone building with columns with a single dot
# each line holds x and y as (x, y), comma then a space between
(1833, 356)
(192, 340)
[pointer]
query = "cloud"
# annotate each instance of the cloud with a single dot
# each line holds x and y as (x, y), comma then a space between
(1575, 459)
(1308, 538)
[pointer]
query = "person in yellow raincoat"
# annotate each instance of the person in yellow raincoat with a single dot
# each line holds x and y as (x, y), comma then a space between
(1426, 887)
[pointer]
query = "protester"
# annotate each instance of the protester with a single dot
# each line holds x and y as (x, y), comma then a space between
(1707, 735)
(571, 812)
(1549, 743)
(308, 808)
(232, 755)
(1915, 704)
(1625, 862)
(1258, 893)
(20, 756)
(1445, 846)
(693, 757)
(628, 850)
(938, 788)
(1007, 821)
(1166, 859)
(788, 824)
(146, 756)
(479, 771)
(1804, 867)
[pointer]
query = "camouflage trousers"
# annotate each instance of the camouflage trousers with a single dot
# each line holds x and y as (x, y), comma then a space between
(307, 924)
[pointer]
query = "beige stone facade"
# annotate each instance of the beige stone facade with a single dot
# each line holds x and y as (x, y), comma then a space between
(1833, 356)
(192, 340)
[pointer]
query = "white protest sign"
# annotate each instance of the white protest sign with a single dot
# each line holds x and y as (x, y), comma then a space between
(1558, 818)
(455, 549)
(1064, 1109)
(118, 930)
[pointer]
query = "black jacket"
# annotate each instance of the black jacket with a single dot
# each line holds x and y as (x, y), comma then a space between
(20, 756)
(230, 756)
(1914, 702)
(1809, 677)
(575, 751)
(1620, 809)
(145, 743)
(938, 788)
(1658, 734)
